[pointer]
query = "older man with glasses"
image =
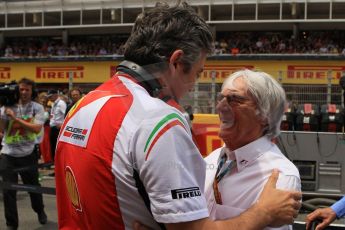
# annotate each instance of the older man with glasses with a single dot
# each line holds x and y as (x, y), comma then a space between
(250, 106)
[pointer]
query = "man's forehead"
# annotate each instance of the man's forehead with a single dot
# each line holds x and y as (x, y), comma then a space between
(235, 83)
(23, 85)
(75, 92)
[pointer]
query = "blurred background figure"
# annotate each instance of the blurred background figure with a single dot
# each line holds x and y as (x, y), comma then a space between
(57, 116)
(44, 145)
(74, 95)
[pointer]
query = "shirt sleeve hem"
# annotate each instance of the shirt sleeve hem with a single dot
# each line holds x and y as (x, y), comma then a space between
(182, 216)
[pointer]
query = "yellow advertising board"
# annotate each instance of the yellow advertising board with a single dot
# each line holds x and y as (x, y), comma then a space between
(58, 72)
(289, 72)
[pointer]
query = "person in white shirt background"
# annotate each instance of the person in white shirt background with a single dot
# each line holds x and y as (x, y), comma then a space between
(57, 116)
(250, 106)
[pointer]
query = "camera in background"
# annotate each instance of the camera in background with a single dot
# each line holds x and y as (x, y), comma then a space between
(9, 94)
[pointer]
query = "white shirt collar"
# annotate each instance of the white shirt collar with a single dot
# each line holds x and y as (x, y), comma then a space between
(247, 154)
(56, 101)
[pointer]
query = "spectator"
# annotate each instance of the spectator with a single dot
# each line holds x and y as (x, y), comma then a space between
(343, 52)
(75, 94)
(44, 146)
(8, 51)
(57, 116)
(21, 124)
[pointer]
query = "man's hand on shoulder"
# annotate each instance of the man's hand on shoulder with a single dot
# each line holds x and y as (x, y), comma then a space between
(280, 207)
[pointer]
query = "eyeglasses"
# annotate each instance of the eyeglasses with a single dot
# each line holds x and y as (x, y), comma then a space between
(232, 98)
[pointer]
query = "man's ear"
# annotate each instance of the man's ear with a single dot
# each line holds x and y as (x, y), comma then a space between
(175, 58)
(263, 121)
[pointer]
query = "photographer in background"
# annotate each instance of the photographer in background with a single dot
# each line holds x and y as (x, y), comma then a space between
(21, 124)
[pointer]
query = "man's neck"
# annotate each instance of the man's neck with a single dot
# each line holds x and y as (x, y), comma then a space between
(21, 102)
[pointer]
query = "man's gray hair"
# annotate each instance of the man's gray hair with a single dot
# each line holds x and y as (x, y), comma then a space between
(269, 97)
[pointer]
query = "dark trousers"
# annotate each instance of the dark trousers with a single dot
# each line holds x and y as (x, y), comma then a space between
(29, 177)
(54, 134)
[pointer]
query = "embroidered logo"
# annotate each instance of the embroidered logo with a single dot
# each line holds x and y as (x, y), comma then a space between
(75, 133)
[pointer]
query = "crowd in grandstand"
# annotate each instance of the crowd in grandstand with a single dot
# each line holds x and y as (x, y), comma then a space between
(274, 42)
(226, 43)
(47, 47)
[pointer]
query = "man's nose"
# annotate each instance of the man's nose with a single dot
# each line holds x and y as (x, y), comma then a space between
(222, 106)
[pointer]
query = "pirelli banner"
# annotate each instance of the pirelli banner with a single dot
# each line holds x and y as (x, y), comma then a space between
(289, 72)
(58, 72)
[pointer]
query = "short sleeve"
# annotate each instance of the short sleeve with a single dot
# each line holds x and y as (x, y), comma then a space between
(171, 169)
(289, 182)
(62, 107)
(38, 114)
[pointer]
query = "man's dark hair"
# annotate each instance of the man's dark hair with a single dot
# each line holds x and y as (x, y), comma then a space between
(75, 89)
(27, 81)
(158, 32)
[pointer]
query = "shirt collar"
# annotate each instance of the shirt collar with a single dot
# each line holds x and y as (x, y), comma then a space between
(247, 154)
(56, 101)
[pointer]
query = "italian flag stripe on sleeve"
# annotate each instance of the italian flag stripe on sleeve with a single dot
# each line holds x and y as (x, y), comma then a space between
(163, 126)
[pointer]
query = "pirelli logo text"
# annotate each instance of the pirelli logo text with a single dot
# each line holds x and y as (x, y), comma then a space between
(314, 72)
(75, 133)
(5, 72)
(59, 72)
(221, 72)
(185, 193)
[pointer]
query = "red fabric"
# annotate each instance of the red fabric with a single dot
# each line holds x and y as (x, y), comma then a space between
(87, 172)
(45, 145)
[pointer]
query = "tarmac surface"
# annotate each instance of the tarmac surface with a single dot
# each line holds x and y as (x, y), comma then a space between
(27, 217)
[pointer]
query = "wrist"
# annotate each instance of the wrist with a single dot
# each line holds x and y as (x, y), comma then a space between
(262, 214)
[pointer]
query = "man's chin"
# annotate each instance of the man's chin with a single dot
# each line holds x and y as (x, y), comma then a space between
(24, 99)
(225, 135)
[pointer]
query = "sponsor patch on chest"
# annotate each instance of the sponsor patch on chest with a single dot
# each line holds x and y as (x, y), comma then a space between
(77, 129)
